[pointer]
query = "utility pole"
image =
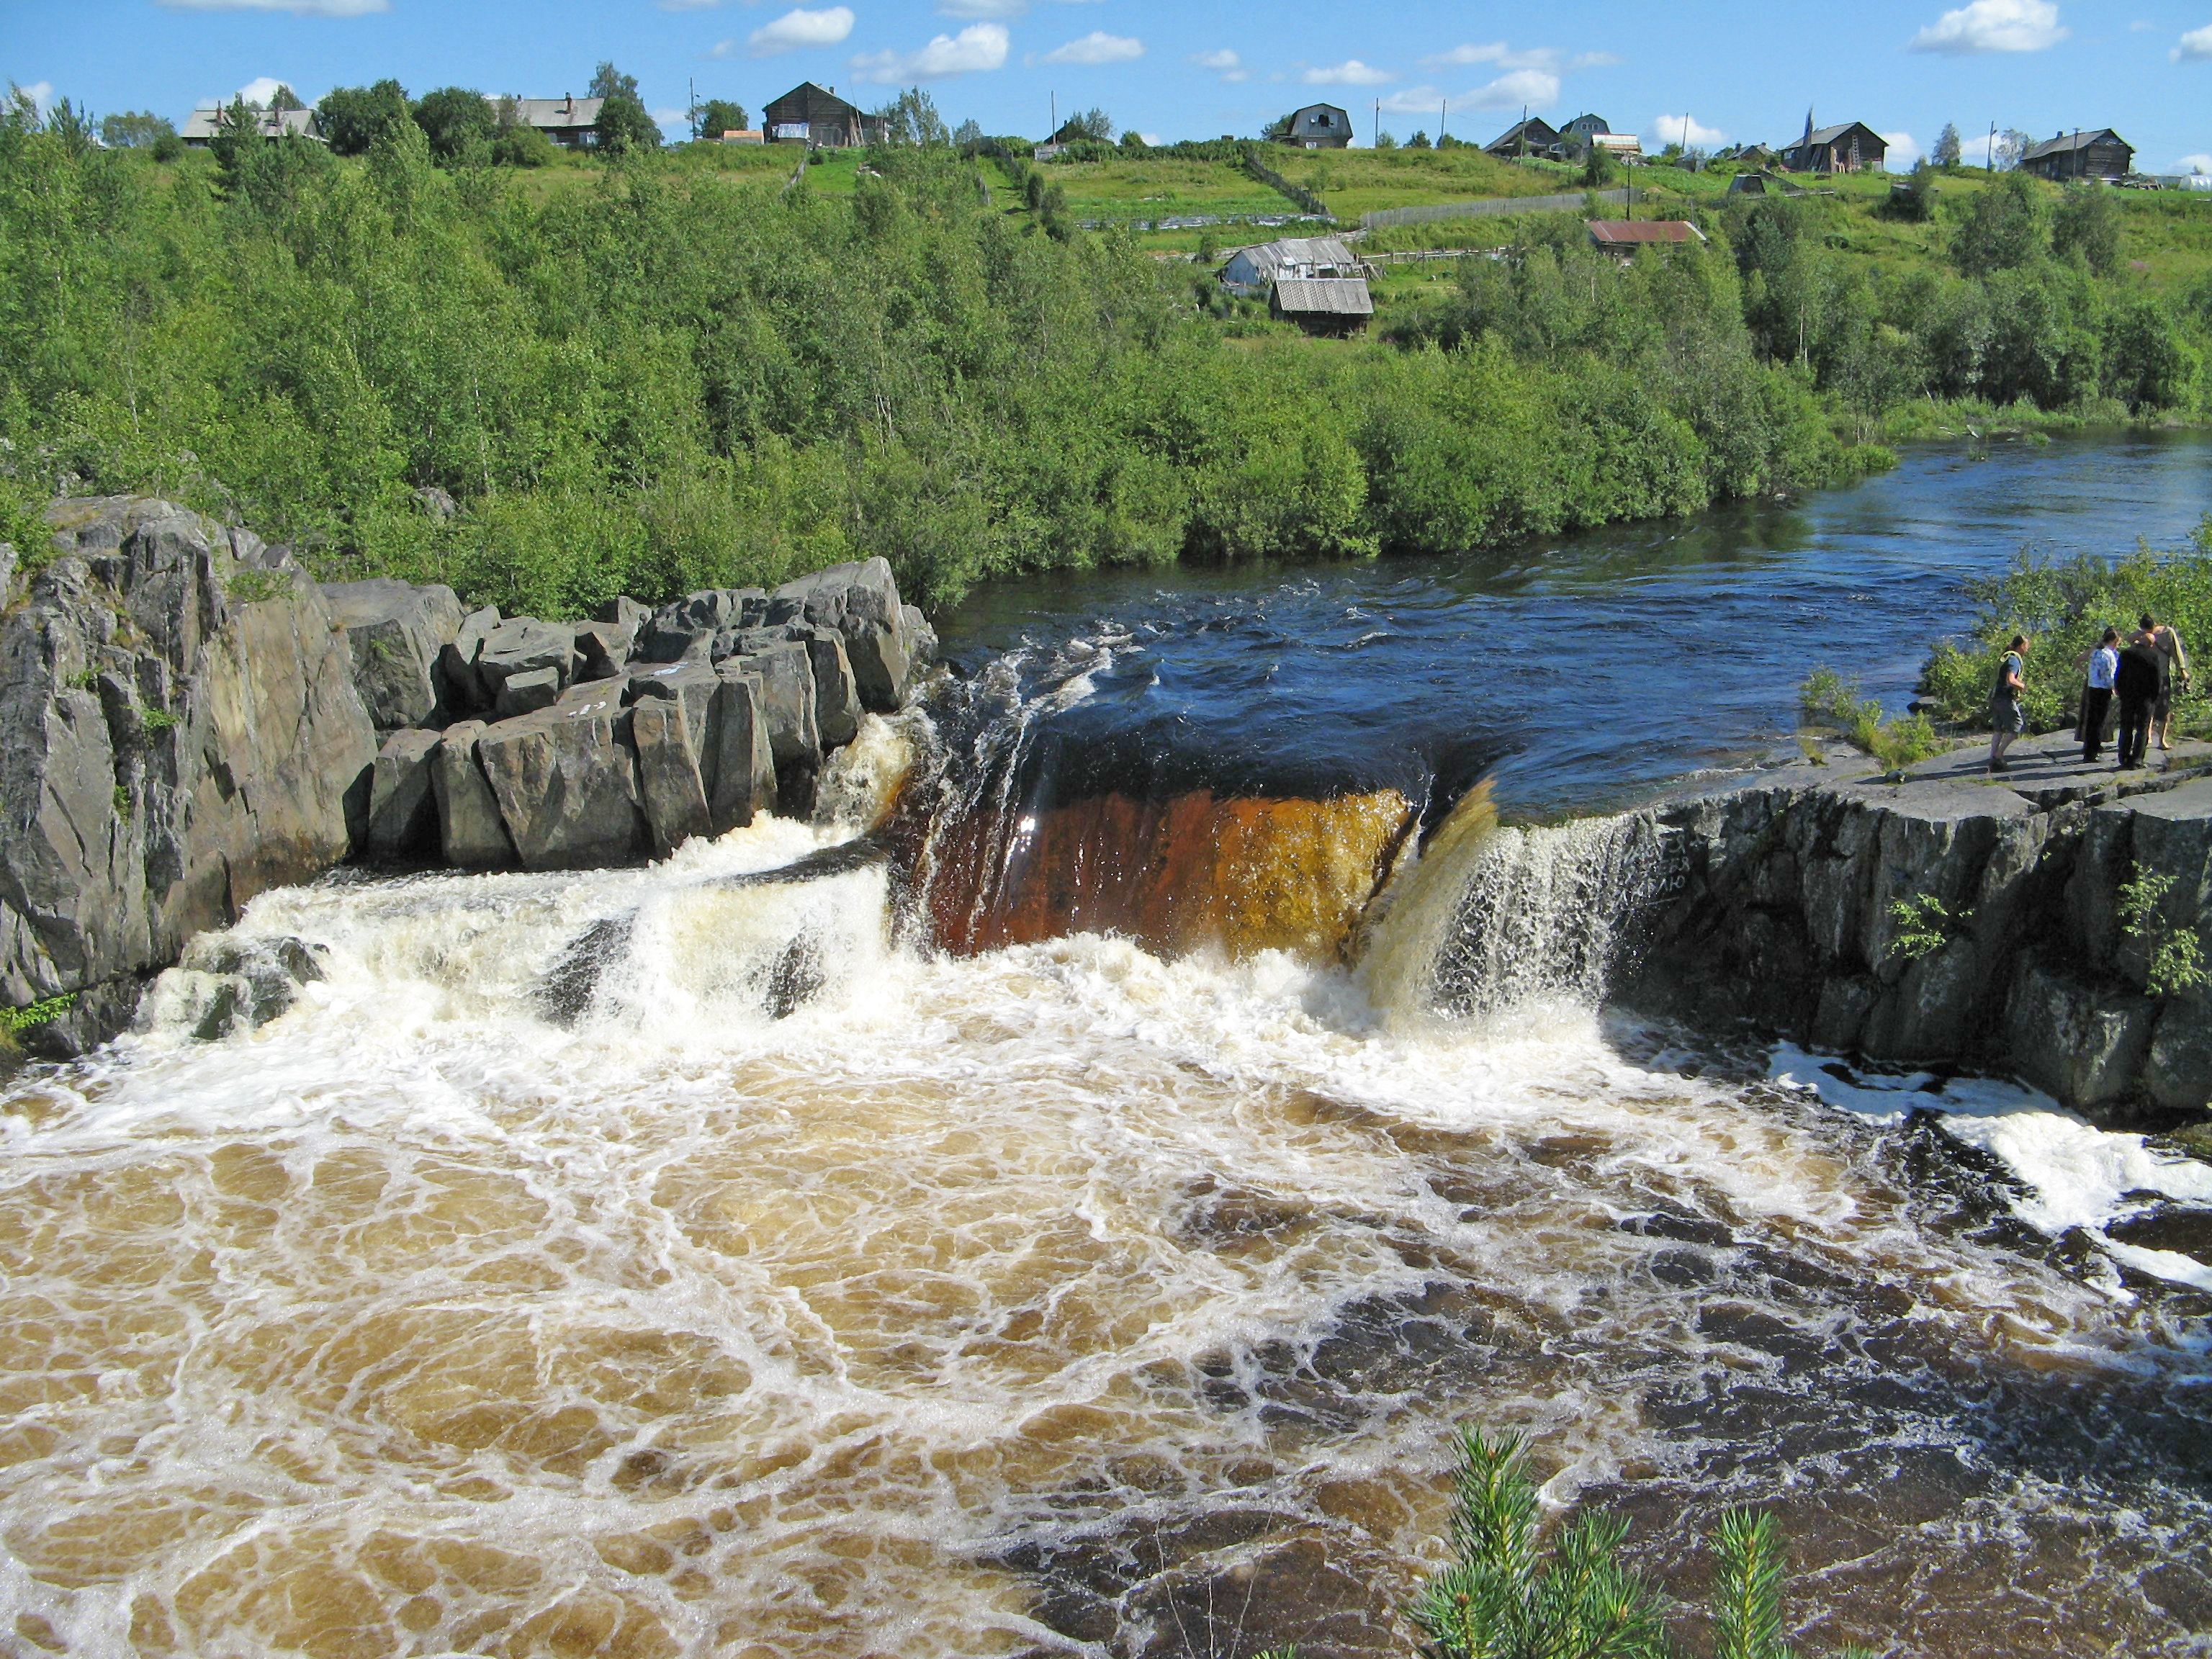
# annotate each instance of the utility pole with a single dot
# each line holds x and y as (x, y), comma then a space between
(1990, 161)
(1054, 96)
(691, 86)
(1444, 122)
(1378, 123)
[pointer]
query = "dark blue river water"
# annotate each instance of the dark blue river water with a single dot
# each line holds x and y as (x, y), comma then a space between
(1584, 671)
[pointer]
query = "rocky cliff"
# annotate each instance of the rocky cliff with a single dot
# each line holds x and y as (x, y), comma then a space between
(1951, 918)
(192, 720)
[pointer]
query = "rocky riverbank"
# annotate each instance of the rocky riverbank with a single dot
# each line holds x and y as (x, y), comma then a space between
(2039, 923)
(194, 719)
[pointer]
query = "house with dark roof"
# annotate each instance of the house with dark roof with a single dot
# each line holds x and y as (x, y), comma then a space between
(1533, 137)
(819, 117)
(1317, 126)
(1625, 236)
(2102, 154)
(1854, 147)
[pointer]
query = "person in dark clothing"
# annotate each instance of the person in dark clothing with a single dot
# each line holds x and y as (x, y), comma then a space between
(2097, 693)
(2136, 683)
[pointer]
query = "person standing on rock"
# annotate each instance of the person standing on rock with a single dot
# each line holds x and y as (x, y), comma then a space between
(2097, 693)
(2173, 676)
(2135, 682)
(2007, 716)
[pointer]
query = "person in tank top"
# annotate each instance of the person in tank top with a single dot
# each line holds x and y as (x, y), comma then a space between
(2173, 676)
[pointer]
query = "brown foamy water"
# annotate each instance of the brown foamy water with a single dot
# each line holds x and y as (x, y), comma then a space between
(1063, 1297)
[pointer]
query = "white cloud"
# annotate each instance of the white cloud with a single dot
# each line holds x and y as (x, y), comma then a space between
(978, 48)
(2194, 164)
(983, 8)
(1904, 150)
(261, 89)
(41, 94)
(1528, 86)
(1596, 60)
(798, 29)
(1097, 48)
(1350, 73)
(1225, 64)
(1672, 129)
(1414, 100)
(2196, 46)
(1994, 26)
(297, 7)
(1499, 53)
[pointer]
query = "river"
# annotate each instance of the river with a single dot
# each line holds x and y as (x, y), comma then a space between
(1078, 1232)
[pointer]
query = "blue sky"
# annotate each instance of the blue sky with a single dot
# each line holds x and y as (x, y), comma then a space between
(1743, 70)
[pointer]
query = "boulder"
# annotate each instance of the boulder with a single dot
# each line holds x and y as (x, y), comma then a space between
(397, 632)
(182, 732)
(403, 803)
(674, 796)
(861, 602)
(687, 627)
(740, 761)
(524, 645)
(786, 673)
(602, 650)
(2081, 1042)
(471, 835)
(566, 786)
(525, 693)
(837, 699)
(2178, 1074)
(460, 687)
(922, 638)
(623, 612)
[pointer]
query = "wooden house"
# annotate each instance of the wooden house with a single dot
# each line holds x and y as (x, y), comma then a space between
(1854, 147)
(1325, 304)
(1624, 236)
(2078, 154)
(1317, 126)
(572, 123)
(201, 129)
(1256, 270)
(1534, 137)
(817, 118)
(1575, 136)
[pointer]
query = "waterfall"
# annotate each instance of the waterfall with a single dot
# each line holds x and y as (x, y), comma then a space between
(1492, 919)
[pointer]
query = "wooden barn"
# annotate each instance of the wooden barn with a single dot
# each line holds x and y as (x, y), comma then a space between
(1323, 305)
(1854, 147)
(1254, 270)
(1534, 137)
(1317, 126)
(1624, 236)
(819, 117)
(2078, 154)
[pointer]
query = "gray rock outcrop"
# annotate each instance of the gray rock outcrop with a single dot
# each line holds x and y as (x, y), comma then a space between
(395, 632)
(183, 731)
(1794, 896)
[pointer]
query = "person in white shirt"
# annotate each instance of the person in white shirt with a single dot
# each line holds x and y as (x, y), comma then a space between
(2097, 693)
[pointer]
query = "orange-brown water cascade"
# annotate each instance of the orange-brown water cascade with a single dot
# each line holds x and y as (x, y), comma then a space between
(1236, 874)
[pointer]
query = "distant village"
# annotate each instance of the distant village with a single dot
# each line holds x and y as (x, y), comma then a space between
(1317, 282)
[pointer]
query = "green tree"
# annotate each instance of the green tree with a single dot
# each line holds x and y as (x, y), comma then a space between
(1916, 203)
(1948, 149)
(625, 127)
(608, 82)
(2001, 227)
(912, 119)
(452, 116)
(718, 116)
(352, 118)
(283, 98)
(134, 130)
(2086, 225)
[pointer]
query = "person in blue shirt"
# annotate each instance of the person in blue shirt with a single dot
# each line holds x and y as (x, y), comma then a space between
(2097, 693)
(2007, 716)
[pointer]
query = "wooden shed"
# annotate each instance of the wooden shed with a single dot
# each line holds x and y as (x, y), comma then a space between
(1323, 305)
(1253, 270)
(2078, 154)
(1624, 236)
(818, 117)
